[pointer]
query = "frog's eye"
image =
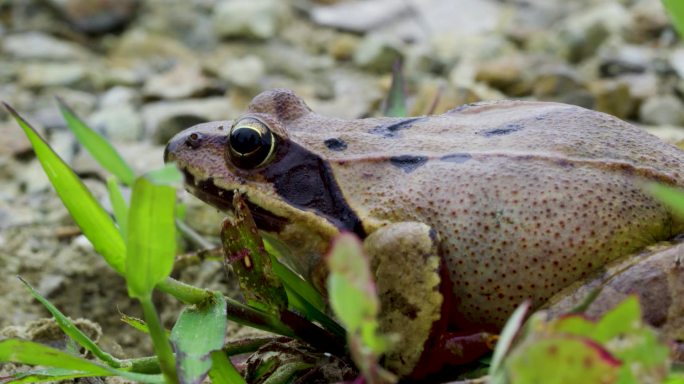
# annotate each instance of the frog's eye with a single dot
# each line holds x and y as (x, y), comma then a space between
(250, 143)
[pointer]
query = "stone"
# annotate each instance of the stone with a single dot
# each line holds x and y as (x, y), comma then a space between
(14, 141)
(97, 17)
(583, 33)
(647, 22)
(617, 58)
(343, 46)
(251, 19)
(181, 81)
(50, 74)
(40, 46)
(377, 53)
(662, 110)
(359, 16)
(245, 72)
(118, 95)
(613, 97)
(677, 61)
(119, 122)
(164, 119)
(562, 84)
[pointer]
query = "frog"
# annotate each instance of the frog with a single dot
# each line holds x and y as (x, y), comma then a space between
(463, 215)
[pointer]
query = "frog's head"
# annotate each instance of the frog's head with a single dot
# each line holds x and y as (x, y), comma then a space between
(290, 189)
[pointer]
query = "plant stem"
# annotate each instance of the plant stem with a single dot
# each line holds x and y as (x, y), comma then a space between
(237, 311)
(147, 364)
(162, 347)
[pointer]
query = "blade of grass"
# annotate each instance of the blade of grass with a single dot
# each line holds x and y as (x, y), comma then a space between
(396, 99)
(93, 220)
(199, 331)
(670, 196)
(507, 335)
(223, 371)
(675, 8)
(44, 375)
(31, 353)
(72, 331)
(97, 146)
(291, 280)
(119, 205)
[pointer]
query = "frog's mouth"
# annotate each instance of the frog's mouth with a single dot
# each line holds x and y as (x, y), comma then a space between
(222, 199)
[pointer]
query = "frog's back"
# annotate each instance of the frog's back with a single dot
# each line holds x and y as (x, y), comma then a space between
(527, 197)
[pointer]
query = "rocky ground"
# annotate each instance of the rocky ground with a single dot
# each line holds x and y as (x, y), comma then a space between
(141, 70)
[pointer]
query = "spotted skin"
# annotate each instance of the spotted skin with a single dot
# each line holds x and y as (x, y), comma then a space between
(525, 198)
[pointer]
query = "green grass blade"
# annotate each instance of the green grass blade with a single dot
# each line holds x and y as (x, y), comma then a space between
(97, 146)
(31, 353)
(223, 371)
(151, 237)
(670, 196)
(72, 331)
(199, 331)
(506, 339)
(675, 8)
(290, 279)
(93, 220)
(396, 99)
(119, 205)
(45, 375)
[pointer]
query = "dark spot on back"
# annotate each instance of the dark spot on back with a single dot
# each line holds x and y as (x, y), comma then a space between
(335, 144)
(392, 130)
(501, 131)
(456, 157)
(408, 163)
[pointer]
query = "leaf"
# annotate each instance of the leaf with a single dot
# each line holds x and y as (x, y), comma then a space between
(93, 220)
(135, 322)
(244, 250)
(151, 240)
(562, 360)
(675, 8)
(97, 146)
(199, 331)
(72, 331)
(396, 99)
(350, 286)
(119, 205)
(31, 353)
(354, 301)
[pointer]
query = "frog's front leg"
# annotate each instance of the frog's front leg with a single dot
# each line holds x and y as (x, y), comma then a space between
(412, 281)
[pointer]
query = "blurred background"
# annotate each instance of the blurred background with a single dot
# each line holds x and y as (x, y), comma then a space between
(140, 71)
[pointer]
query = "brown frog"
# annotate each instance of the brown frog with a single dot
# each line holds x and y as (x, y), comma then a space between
(465, 215)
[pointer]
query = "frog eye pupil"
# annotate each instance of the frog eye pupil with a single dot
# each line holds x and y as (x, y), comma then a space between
(250, 144)
(245, 140)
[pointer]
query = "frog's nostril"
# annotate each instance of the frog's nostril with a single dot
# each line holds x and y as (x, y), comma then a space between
(194, 140)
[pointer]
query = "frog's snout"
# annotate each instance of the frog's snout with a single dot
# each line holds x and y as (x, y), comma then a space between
(168, 152)
(188, 139)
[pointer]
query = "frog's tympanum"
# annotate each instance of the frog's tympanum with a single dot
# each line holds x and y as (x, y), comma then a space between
(464, 215)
